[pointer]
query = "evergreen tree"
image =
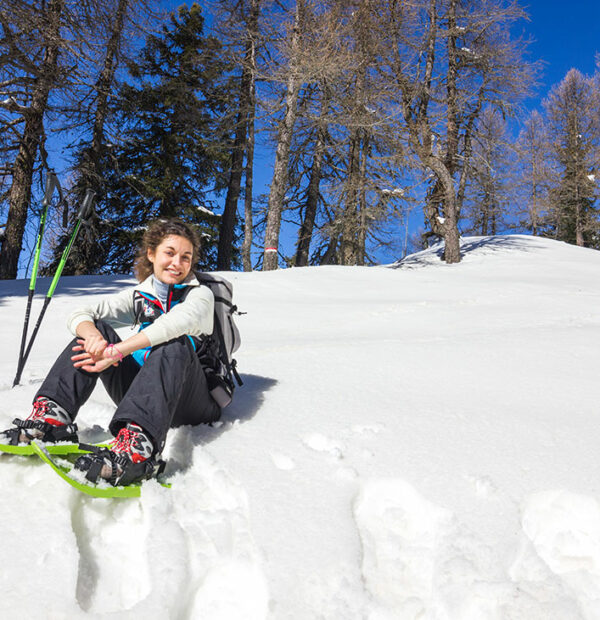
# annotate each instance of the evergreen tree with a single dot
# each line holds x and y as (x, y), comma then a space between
(167, 158)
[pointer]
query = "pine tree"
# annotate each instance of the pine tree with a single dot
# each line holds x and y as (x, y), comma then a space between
(168, 157)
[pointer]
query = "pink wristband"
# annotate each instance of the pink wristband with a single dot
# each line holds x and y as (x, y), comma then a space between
(118, 357)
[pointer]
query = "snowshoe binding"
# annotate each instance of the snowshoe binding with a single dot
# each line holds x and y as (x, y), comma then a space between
(128, 460)
(48, 422)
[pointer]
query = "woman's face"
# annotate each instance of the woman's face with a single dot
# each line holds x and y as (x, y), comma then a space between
(172, 259)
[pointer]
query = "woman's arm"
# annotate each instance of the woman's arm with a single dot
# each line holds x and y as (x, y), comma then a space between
(193, 316)
(93, 353)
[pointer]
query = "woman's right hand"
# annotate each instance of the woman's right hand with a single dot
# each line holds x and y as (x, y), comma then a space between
(90, 340)
(94, 345)
(88, 362)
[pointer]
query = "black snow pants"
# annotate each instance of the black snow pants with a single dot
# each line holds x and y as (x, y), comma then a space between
(168, 390)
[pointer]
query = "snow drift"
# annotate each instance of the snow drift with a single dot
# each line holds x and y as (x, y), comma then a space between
(412, 441)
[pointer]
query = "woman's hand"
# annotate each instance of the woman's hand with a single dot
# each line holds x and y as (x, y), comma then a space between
(94, 344)
(91, 361)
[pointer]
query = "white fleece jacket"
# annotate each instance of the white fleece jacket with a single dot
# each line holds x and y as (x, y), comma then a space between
(193, 316)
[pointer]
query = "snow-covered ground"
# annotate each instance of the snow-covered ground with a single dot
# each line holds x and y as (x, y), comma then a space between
(412, 441)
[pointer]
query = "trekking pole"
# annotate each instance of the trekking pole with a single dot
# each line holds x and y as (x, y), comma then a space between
(85, 212)
(51, 184)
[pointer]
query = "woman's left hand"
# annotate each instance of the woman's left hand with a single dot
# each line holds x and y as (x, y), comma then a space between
(89, 362)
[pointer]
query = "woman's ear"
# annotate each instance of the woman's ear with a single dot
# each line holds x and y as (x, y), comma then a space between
(150, 255)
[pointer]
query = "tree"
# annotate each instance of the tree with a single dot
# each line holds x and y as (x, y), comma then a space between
(574, 135)
(491, 175)
(284, 139)
(534, 173)
(31, 35)
(86, 255)
(166, 161)
(248, 14)
(450, 59)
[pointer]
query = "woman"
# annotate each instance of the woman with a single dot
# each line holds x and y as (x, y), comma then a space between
(154, 376)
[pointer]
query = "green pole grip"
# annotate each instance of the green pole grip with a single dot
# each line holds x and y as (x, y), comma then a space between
(63, 260)
(38, 249)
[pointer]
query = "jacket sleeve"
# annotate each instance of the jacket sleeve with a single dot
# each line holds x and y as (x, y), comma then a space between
(117, 310)
(193, 316)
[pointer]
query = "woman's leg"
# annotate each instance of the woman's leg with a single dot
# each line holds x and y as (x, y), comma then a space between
(71, 387)
(169, 390)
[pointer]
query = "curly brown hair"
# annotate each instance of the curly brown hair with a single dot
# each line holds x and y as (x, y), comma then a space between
(156, 232)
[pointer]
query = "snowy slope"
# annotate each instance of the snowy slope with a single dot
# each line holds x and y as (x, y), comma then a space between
(412, 441)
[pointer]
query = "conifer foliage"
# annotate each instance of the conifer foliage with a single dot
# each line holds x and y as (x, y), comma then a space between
(165, 158)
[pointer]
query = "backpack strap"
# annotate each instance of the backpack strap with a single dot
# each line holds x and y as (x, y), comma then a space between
(231, 367)
(220, 340)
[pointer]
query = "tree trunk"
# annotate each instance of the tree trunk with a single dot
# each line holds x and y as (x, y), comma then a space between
(284, 140)
(452, 244)
(312, 193)
(451, 235)
(350, 216)
(362, 204)
(250, 140)
(20, 191)
(247, 243)
(88, 255)
(228, 219)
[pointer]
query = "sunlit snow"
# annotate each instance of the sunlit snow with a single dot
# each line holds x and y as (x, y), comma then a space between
(419, 440)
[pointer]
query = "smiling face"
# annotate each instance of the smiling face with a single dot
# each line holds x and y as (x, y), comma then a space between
(172, 259)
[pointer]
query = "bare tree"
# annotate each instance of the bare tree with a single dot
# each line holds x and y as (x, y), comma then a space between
(31, 104)
(284, 139)
(312, 192)
(251, 62)
(534, 172)
(449, 59)
(574, 135)
(87, 256)
(51, 68)
(491, 175)
(247, 15)
(348, 141)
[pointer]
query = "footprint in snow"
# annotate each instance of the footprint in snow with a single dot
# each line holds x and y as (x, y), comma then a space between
(483, 485)
(321, 443)
(399, 531)
(367, 429)
(184, 552)
(564, 530)
(282, 461)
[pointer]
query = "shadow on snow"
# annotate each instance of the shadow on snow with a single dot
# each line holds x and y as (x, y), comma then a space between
(487, 245)
(67, 285)
(246, 403)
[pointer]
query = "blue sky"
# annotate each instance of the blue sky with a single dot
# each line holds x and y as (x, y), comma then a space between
(567, 35)
(563, 38)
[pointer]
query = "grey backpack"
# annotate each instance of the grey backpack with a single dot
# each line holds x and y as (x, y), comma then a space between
(217, 353)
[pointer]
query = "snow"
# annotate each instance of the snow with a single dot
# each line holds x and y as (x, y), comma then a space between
(417, 440)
